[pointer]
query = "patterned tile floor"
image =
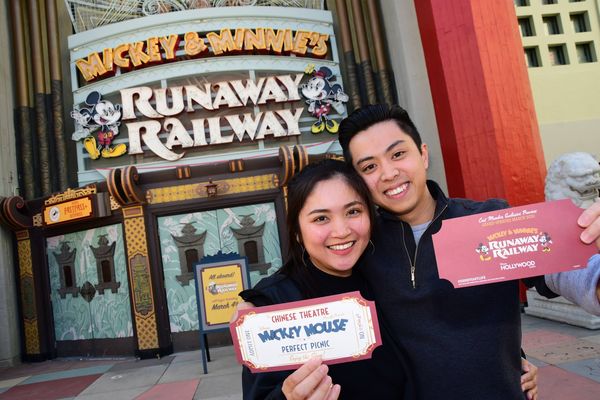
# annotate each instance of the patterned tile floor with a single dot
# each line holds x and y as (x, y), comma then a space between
(568, 358)
(178, 376)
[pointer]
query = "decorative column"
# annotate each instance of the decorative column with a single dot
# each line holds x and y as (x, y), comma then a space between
(14, 216)
(140, 278)
(43, 174)
(28, 301)
(24, 116)
(483, 102)
(122, 185)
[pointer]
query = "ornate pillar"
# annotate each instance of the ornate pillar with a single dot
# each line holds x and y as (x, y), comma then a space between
(27, 286)
(140, 278)
(24, 116)
(13, 216)
(483, 102)
(122, 185)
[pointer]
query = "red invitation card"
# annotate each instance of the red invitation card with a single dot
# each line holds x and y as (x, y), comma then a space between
(512, 243)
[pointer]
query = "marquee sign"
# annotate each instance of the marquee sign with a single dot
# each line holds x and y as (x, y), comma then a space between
(154, 112)
(128, 56)
(173, 101)
(203, 85)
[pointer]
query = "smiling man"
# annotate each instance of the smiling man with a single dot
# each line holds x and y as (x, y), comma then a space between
(462, 344)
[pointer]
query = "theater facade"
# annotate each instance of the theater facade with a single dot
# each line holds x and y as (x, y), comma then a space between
(152, 134)
(186, 127)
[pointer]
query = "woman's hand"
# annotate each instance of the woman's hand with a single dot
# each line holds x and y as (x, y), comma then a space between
(529, 379)
(310, 382)
(243, 305)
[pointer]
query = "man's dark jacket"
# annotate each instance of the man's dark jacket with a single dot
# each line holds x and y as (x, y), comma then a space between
(462, 343)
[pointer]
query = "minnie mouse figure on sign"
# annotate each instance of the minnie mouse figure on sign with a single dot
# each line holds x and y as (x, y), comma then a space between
(545, 241)
(102, 116)
(322, 94)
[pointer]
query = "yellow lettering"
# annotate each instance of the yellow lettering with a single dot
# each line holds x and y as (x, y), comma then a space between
(255, 40)
(320, 49)
(120, 60)
(137, 55)
(152, 49)
(107, 56)
(169, 45)
(274, 40)
(301, 42)
(193, 44)
(221, 43)
(92, 67)
(238, 40)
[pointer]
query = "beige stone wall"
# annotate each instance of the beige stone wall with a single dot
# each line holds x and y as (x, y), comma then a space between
(9, 333)
(410, 73)
(570, 136)
(567, 96)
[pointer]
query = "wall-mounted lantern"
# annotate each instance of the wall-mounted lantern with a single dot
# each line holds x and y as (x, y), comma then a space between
(211, 188)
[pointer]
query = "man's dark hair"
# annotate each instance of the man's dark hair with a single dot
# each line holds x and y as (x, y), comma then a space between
(363, 118)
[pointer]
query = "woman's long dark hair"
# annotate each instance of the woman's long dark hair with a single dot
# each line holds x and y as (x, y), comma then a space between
(300, 188)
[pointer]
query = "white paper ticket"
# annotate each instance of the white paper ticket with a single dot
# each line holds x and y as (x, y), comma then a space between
(338, 328)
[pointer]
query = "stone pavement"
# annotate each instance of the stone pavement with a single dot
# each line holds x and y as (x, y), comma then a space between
(178, 376)
(568, 358)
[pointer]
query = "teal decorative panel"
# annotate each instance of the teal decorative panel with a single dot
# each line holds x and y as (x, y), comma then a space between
(231, 219)
(107, 314)
(181, 298)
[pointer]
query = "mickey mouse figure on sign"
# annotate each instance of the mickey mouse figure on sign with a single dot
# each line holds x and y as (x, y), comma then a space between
(484, 252)
(322, 94)
(104, 117)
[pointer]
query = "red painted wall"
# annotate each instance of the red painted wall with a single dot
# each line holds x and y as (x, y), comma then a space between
(482, 97)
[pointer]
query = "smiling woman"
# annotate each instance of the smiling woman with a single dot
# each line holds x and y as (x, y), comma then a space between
(329, 221)
(334, 226)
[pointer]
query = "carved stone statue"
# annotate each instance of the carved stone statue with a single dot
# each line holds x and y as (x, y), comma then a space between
(574, 176)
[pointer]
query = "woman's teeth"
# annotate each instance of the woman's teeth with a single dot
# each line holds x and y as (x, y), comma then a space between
(341, 246)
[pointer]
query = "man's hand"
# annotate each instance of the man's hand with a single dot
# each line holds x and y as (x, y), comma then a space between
(529, 379)
(590, 220)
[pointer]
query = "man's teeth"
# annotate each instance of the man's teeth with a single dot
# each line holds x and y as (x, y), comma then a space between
(341, 246)
(396, 191)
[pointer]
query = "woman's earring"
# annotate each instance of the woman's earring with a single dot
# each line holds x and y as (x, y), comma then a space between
(303, 256)
(373, 245)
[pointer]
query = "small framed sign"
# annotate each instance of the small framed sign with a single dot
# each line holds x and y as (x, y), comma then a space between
(218, 279)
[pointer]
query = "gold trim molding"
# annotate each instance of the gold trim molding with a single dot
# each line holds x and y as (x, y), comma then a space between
(114, 204)
(224, 187)
(70, 194)
(37, 220)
